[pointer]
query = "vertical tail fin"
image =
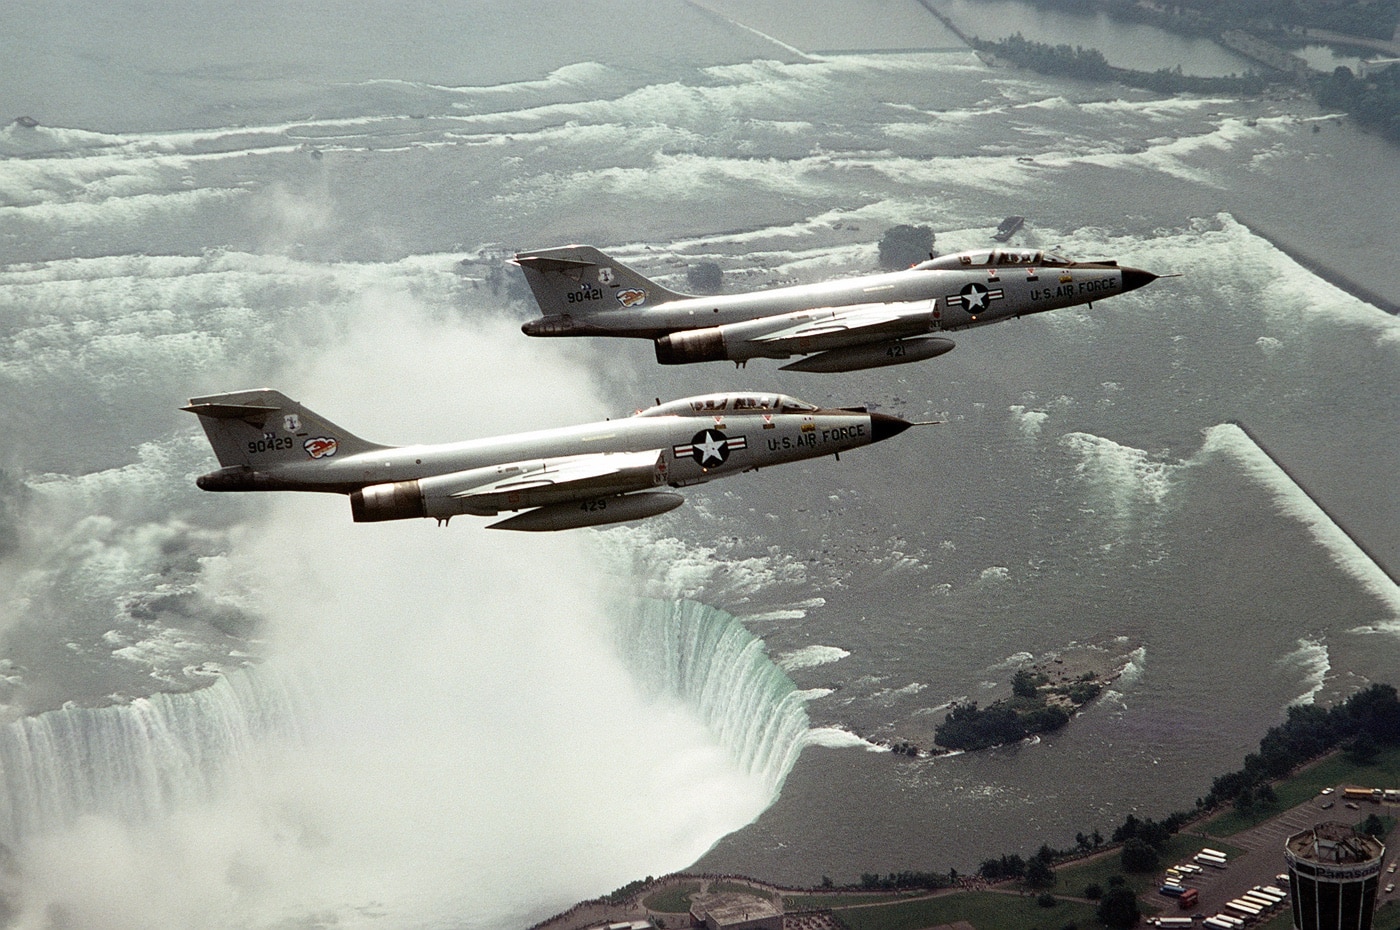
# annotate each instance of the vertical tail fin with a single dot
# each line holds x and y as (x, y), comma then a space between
(577, 280)
(262, 428)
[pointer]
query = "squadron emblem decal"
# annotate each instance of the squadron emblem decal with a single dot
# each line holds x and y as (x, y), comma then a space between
(321, 447)
(710, 447)
(632, 297)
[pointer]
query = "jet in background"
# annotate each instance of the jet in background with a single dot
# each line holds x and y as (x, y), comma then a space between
(554, 479)
(842, 325)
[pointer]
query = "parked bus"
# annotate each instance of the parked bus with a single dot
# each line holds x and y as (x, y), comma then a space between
(1245, 909)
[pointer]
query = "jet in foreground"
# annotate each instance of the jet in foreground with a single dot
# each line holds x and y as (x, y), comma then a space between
(841, 325)
(554, 479)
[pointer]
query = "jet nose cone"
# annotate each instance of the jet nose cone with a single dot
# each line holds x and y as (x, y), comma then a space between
(1134, 278)
(883, 426)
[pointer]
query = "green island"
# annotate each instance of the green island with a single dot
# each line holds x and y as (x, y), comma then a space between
(1036, 706)
(1098, 882)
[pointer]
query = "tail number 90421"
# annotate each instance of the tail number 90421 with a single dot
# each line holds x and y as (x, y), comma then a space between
(584, 295)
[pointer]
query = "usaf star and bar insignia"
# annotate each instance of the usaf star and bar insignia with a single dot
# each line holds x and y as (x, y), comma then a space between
(710, 447)
(974, 298)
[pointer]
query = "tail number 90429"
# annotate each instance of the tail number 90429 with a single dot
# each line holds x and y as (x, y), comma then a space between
(270, 444)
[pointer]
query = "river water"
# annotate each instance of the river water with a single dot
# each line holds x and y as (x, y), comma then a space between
(218, 199)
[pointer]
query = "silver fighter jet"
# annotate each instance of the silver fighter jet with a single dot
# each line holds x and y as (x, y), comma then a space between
(554, 479)
(841, 325)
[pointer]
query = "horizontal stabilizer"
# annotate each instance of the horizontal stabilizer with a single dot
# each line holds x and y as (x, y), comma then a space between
(253, 413)
(546, 263)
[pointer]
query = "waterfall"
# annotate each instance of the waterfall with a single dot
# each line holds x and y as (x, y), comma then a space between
(138, 760)
(706, 658)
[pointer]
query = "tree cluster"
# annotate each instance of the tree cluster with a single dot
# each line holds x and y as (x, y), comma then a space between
(1118, 908)
(900, 881)
(1088, 64)
(705, 277)
(1373, 101)
(905, 245)
(1363, 723)
(969, 727)
(1375, 19)
(1012, 866)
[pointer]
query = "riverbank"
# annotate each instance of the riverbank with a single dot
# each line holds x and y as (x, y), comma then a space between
(1255, 848)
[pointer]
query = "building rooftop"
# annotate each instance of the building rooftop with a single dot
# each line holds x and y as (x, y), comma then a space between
(1335, 844)
(732, 908)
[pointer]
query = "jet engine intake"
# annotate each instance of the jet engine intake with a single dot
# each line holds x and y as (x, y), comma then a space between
(692, 345)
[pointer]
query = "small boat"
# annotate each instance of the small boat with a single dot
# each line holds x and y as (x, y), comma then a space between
(1008, 228)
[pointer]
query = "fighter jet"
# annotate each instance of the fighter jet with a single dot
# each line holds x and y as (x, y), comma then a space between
(841, 325)
(553, 479)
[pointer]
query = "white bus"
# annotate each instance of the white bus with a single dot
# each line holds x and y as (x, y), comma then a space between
(1244, 908)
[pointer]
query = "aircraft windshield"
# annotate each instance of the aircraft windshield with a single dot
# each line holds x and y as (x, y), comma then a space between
(734, 404)
(994, 258)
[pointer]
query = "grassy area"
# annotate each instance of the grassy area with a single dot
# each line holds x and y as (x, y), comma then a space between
(798, 902)
(1073, 879)
(1332, 771)
(1387, 914)
(1283, 920)
(674, 900)
(985, 910)
(743, 888)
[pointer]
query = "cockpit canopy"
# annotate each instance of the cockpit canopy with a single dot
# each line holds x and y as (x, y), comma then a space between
(732, 404)
(994, 258)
